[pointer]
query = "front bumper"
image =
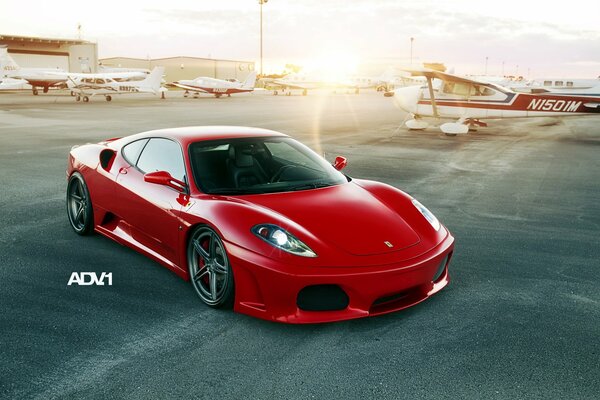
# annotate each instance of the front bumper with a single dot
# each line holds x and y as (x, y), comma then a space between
(268, 289)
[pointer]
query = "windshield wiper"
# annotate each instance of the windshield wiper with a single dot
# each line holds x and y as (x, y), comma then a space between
(312, 185)
(235, 191)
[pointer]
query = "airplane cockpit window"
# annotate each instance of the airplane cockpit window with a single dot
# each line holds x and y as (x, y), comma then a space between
(100, 81)
(466, 89)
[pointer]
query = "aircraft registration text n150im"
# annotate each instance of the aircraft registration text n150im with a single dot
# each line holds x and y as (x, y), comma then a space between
(554, 105)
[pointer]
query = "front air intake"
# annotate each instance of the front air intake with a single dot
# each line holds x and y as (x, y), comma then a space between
(322, 298)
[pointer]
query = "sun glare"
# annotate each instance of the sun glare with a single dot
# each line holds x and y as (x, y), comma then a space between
(333, 66)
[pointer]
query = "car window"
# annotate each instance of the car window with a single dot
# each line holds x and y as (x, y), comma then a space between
(131, 152)
(162, 155)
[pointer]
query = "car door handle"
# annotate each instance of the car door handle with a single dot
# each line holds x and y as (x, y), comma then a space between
(123, 171)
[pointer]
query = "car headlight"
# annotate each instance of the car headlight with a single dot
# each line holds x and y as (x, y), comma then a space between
(282, 239)
(427, 214)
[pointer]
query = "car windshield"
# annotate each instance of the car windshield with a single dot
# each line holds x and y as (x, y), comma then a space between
(259, 165)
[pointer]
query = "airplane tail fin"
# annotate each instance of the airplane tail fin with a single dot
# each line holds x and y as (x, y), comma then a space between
(154, 79)
(7, 63)
(250, 81)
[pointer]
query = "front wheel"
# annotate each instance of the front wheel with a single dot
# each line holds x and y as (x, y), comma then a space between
(79, 205)
(209, 268)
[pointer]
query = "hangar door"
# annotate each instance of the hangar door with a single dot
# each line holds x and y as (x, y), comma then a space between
(41, 60)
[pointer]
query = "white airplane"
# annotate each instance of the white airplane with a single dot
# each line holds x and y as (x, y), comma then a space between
(36, 77)
(13, 84)
(560, 86)
(468, 101)
(101, 85)
(298, 81)
(218, 87)
(76, 79)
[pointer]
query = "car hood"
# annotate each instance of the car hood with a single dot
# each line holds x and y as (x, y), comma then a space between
(347, 216)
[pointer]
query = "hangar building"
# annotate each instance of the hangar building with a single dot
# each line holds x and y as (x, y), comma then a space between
(177, 68)
(71, 55)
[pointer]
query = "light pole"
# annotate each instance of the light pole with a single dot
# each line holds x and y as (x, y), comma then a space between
(486, 62)
(412, 39)
(261, 2)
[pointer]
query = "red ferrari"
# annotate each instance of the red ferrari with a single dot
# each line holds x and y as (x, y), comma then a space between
(259, 222)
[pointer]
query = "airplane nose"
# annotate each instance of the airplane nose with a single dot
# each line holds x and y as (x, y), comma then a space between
(406, 98)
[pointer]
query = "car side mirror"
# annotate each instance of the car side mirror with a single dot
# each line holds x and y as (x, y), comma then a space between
(165, 178)
(340, 163)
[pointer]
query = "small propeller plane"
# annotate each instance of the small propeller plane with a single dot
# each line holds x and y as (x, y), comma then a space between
(469, 101)
(217, 87)
(44, 78)
(91, 85)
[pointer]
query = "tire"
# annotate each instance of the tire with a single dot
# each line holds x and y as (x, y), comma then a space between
(108, 98)
(209, 268)
(79, 205)
(35, 92)
(77, 98)
(86, 99)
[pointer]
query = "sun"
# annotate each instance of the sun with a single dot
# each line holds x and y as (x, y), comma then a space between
(334, 66)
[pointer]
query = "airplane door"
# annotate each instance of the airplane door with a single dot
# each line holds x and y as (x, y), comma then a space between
(151, 210)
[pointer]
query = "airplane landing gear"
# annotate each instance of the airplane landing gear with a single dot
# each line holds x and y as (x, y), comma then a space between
(78, 98)
(108, 98)
(416, 123)
(35, 91)
(162, 95)
(45, 89)
(72, 93)
(218, 95)
(86, 99)
(228, 95)
(186, 93)
(275, 93)
(304, 92)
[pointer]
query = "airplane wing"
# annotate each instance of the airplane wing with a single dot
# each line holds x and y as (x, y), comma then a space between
(432, 74)
(289, 85)
(186, 87)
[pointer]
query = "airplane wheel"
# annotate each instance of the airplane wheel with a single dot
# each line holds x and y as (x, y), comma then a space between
(86, 99)
(108, 98)
(35, 92)
(304, 93)
(450, 134)
(72, 93)
(275, 93)
(77, 98)
(162, 95)
(217, 95)
(45, 89)
(228, 95)
(186, 94)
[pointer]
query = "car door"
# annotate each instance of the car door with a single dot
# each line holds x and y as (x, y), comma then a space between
(152, 210)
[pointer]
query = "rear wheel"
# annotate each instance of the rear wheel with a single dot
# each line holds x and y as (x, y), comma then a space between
(79, 205)
(108, 98)
(86, 99)
(209, 268)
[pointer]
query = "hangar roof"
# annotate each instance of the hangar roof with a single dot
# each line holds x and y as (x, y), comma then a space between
(33, 39)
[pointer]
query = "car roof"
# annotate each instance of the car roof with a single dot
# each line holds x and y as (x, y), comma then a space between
(191, 134)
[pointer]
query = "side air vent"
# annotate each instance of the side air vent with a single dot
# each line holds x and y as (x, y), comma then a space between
(107, 157)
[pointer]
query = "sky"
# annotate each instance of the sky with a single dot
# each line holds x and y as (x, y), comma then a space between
(531, 38)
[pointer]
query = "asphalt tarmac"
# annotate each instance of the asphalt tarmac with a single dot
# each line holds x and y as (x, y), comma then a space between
(519, 320)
